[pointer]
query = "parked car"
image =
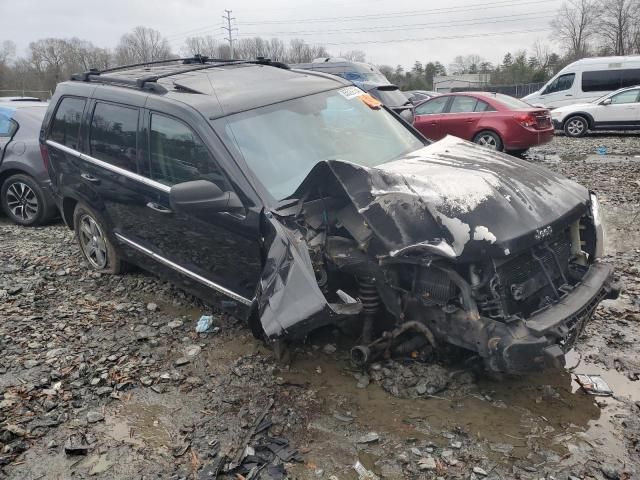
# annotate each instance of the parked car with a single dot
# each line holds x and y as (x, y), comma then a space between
(304, 203)
(419, 96)
(352, 71)
(20, 99)
(586, 80)
(493, 120)
(619, 110)
(25, 193)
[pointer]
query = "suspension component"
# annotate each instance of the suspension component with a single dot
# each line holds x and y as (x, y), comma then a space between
(368, 293)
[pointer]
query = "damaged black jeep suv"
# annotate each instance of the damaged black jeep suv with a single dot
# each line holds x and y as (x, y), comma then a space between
(305, 202)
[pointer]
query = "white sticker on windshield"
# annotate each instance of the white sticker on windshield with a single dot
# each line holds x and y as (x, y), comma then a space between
(350, 92)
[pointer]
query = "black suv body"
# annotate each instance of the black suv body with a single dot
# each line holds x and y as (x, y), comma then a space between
(304, 202)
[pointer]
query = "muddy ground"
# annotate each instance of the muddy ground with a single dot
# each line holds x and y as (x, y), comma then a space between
(112, 367)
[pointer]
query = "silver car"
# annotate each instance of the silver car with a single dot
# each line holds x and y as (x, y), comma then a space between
(24, 183)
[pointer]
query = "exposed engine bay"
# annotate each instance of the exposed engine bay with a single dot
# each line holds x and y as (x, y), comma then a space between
(503, 261)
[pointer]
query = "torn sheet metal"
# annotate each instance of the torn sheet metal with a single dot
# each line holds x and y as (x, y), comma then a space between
(290, 298)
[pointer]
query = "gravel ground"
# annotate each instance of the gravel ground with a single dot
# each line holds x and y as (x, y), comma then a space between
(105, 377)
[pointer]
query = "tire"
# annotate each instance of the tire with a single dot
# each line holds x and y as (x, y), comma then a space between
(575, 126)
(24, 201)
(97, 248)
(518, 153)
(489, 140)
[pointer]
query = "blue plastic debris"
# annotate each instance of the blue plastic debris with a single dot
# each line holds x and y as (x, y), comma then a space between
(602, 150)
(204, 323)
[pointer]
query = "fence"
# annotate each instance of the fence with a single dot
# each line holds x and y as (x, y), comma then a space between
(41, 94)
(518, 91)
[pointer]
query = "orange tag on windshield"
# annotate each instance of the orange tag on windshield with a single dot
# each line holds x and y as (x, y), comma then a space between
(370, 101)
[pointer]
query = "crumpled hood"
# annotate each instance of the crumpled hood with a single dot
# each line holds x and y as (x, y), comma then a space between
(466, 200)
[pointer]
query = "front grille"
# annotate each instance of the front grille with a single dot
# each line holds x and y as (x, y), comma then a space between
(535, 277)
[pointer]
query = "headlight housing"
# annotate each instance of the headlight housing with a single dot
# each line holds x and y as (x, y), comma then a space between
(596, 216)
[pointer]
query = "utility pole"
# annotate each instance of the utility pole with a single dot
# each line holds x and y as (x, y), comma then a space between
(229, 29)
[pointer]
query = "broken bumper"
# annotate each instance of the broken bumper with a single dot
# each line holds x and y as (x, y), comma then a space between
(550, 333)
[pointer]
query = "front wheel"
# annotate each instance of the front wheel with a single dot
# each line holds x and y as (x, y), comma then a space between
(24, 201)
(488, 140)
(95, 245)
(576, 126)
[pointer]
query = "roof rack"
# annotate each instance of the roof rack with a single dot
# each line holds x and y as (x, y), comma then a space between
(149, 82)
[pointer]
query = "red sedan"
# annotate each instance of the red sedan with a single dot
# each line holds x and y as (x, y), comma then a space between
(493, 120)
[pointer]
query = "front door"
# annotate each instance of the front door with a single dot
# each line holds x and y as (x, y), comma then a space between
(428, 116)
(623, 111)
(218, 250)
(560, 91)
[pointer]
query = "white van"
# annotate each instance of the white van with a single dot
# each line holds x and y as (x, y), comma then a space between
(587, 80)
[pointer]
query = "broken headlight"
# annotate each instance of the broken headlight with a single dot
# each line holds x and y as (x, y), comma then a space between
(596, 215)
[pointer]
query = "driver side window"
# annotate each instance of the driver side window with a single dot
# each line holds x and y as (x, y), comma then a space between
(630, 96)
(434, 106)
(178, 155)
(563, 82)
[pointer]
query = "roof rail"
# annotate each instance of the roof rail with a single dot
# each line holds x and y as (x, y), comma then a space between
(149, 82)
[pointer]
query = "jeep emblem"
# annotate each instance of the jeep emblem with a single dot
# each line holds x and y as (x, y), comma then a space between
(543, 233)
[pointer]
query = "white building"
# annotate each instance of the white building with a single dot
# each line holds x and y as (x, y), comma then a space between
(446, 83)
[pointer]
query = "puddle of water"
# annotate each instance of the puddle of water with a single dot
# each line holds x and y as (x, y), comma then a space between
(560, 420)
(141, 424)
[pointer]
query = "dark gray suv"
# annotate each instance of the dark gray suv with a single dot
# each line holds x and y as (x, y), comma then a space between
(25, 193)
(304, 202)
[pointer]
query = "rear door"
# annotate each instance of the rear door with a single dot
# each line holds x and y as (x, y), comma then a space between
(429, 115)
(623, 111)
(463, 116)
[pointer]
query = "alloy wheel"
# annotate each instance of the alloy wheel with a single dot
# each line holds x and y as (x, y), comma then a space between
(487, 141)
(22, 201)
(93, 242)
(575, 127)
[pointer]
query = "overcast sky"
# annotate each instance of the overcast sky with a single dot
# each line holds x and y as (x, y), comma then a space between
(393, 32)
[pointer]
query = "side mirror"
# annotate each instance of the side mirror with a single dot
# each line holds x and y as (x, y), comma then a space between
(606, 101)
(203, 196)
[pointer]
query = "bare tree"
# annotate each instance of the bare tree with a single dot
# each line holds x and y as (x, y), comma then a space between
(618, 25)
(354, 55)
(49, 56)
(206, 45)
(575, 25)
(466, 64)
(142, 44)
(7, 51)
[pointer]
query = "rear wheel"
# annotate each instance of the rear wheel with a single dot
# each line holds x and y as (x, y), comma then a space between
(488, 140)
(24, 201)
(576, 126)
(95, 245)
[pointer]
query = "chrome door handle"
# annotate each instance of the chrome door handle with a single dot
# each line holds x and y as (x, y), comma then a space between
(158, 208)
(90, 178)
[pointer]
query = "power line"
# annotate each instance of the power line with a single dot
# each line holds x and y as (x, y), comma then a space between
(384, 16)
(412, 26)
(424, 39)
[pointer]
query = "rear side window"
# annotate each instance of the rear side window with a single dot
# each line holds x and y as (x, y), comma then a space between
(462, 104)
(8, 126)
(433, 106)
(65, 127)
(113, 135)
(563, 82)
(602, 81)
(630, 77)
(178, 155)
(484, 107)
